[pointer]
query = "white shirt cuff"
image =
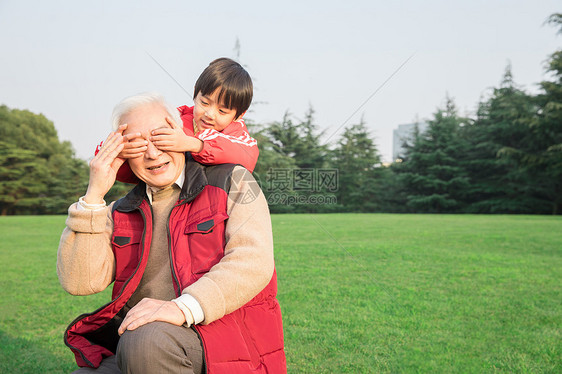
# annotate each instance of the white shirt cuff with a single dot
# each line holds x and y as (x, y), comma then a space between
(193, 305)
(82, 205)
(186, 312)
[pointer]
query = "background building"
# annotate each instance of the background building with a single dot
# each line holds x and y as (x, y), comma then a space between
(402, 133)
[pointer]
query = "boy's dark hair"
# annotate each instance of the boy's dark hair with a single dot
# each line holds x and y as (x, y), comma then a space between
(236, 88)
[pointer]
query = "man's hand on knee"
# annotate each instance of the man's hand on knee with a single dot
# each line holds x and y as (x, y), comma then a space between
(150, 310)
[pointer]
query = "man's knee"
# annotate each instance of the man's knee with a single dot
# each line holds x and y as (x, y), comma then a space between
(128, 342)
(142, 343)
(157, 344)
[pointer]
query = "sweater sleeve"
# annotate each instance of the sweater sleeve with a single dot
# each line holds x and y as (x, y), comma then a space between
(234, 145)
(85, 261)
(247, 265)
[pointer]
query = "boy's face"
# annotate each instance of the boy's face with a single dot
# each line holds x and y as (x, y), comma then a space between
(208, 113)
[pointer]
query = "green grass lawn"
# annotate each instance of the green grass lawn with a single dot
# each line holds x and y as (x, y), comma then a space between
(359, 294)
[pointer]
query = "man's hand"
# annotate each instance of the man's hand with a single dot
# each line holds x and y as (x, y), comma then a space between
(150, 310)
(104, 167)
(174, 139)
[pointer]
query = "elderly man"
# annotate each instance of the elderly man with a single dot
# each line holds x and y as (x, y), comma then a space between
(189, 252)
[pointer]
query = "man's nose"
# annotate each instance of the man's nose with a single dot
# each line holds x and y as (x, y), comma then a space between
(152, 152)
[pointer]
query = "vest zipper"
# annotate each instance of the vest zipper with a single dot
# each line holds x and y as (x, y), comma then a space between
(177, 282)
(174, 275)
(202, 349)
(177, 290)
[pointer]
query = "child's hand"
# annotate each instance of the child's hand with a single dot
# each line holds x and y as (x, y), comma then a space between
(174, 139)
(134, 145)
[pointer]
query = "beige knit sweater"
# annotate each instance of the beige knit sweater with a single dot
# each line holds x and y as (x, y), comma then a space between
(86, 265)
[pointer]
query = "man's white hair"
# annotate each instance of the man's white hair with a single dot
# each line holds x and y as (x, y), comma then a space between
(128, 104)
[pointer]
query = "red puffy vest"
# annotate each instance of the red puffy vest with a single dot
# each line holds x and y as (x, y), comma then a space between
(249, 339)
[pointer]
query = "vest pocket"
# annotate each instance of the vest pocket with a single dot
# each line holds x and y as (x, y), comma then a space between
(205, 238)
(126, 249)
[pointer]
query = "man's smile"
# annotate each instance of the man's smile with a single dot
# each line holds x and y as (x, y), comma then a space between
(158, 167)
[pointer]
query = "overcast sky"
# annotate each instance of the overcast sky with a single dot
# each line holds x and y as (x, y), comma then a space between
(74, 60)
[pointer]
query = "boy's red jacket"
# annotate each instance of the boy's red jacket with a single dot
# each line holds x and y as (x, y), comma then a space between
(233, 145)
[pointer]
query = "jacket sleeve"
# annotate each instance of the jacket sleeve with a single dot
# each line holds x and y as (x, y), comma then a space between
(247, 265)
(234, 145)
(85, 260)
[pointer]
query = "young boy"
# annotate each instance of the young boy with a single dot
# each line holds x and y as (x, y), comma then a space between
(213, 129)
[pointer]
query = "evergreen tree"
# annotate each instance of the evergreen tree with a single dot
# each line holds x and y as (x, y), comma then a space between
(548, 134)
(269, 156)
(300, 141)
(541, 154)
(391, 192)
(431, 172)
(270, 168)
(498, 185)
(358, 163)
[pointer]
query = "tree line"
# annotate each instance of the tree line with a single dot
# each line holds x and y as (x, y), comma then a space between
(507, 158)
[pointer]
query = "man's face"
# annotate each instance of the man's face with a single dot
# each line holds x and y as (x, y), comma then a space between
(156, 168)
(208, 113)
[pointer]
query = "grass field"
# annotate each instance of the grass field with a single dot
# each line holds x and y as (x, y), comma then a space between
(359, 293)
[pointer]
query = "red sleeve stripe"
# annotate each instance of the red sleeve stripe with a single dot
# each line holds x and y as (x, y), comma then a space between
(245, 139)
